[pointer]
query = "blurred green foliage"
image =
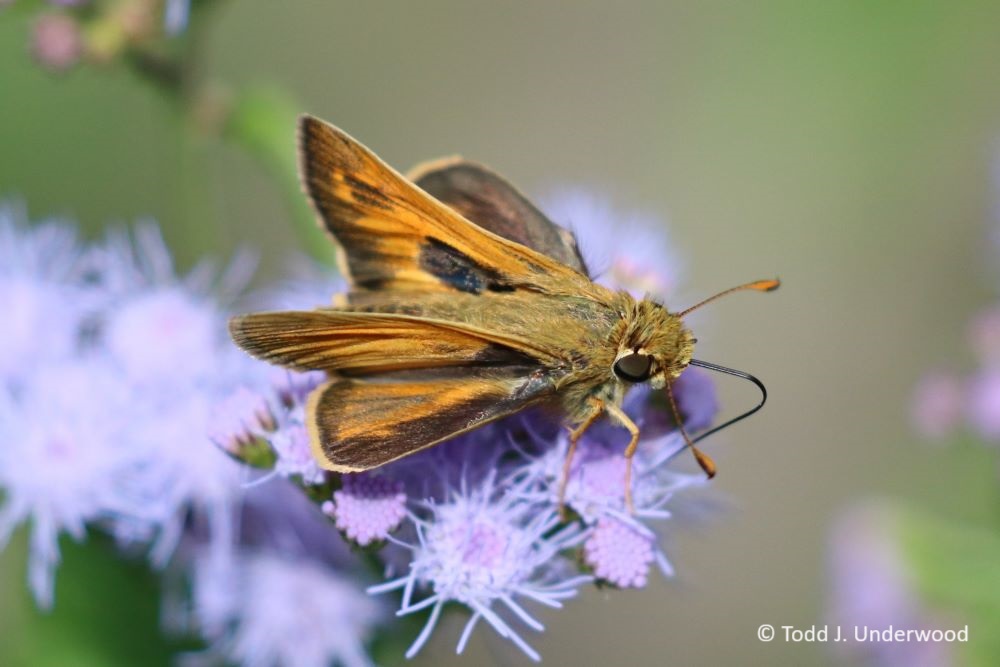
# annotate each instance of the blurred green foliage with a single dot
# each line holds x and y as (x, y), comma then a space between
(957, 571)
(107, 611)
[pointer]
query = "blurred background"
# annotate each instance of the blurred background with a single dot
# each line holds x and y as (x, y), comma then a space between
(845, 147)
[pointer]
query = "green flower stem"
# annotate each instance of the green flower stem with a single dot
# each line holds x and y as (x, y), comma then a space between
(262, 122)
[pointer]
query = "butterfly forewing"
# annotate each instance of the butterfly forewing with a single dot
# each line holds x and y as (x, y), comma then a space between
(374, 343)
(397, 237)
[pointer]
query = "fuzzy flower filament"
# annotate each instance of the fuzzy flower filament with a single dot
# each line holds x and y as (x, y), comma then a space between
(488, 549)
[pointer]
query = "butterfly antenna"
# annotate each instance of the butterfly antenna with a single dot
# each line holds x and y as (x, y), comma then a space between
(703, 459)
(728, 371)
(757, 285)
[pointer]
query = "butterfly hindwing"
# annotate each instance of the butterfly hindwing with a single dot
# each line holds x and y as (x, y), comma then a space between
(358, 424)
(490, 201)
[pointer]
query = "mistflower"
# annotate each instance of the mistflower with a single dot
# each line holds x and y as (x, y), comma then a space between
(154, 331)
(44, 292)
(166, 335)
(183, 471)
(489, 550)
(620, 546)
(293, 387)
(937, 404)
(984, 403)
(65, 443)
(310, 285)
(596, 484)
(133, 265)
(242, 416)
(624, 250)
(272, 610)
(367, 508)
(943, 399)
(291, 444)
(871, 586)
(619, 554)
(57, 42)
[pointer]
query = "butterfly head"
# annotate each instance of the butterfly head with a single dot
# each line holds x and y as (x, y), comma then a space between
(656, 346)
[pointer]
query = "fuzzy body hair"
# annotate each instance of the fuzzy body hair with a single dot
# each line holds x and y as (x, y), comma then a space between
(644, 327)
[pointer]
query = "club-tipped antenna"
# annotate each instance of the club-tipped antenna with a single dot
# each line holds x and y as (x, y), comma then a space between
(740, 374)
(703, 459)
(757, 285)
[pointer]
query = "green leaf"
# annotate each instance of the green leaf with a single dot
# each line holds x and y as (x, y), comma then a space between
(107, 611)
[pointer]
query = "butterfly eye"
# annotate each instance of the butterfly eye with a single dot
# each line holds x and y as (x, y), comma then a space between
(634, 367)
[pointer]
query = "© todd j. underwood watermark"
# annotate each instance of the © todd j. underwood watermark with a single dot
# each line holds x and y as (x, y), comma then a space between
(860, 633)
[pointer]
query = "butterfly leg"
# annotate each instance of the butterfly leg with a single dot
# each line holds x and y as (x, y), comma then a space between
(633, 444)
(597, 407)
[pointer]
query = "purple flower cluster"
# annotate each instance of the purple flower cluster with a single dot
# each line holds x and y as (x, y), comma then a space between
(120, 396)
(123, 406)
(945, 400)
(367, 508)
(641, 261)
(872, 586)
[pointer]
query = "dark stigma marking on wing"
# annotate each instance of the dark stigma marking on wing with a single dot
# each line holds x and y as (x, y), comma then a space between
(457, 269)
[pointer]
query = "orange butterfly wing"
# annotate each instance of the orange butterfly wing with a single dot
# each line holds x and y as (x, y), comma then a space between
(375, 343)
(358, 424)
(395, 236)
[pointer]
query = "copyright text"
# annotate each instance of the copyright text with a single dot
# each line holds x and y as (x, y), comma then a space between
(860, 633)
